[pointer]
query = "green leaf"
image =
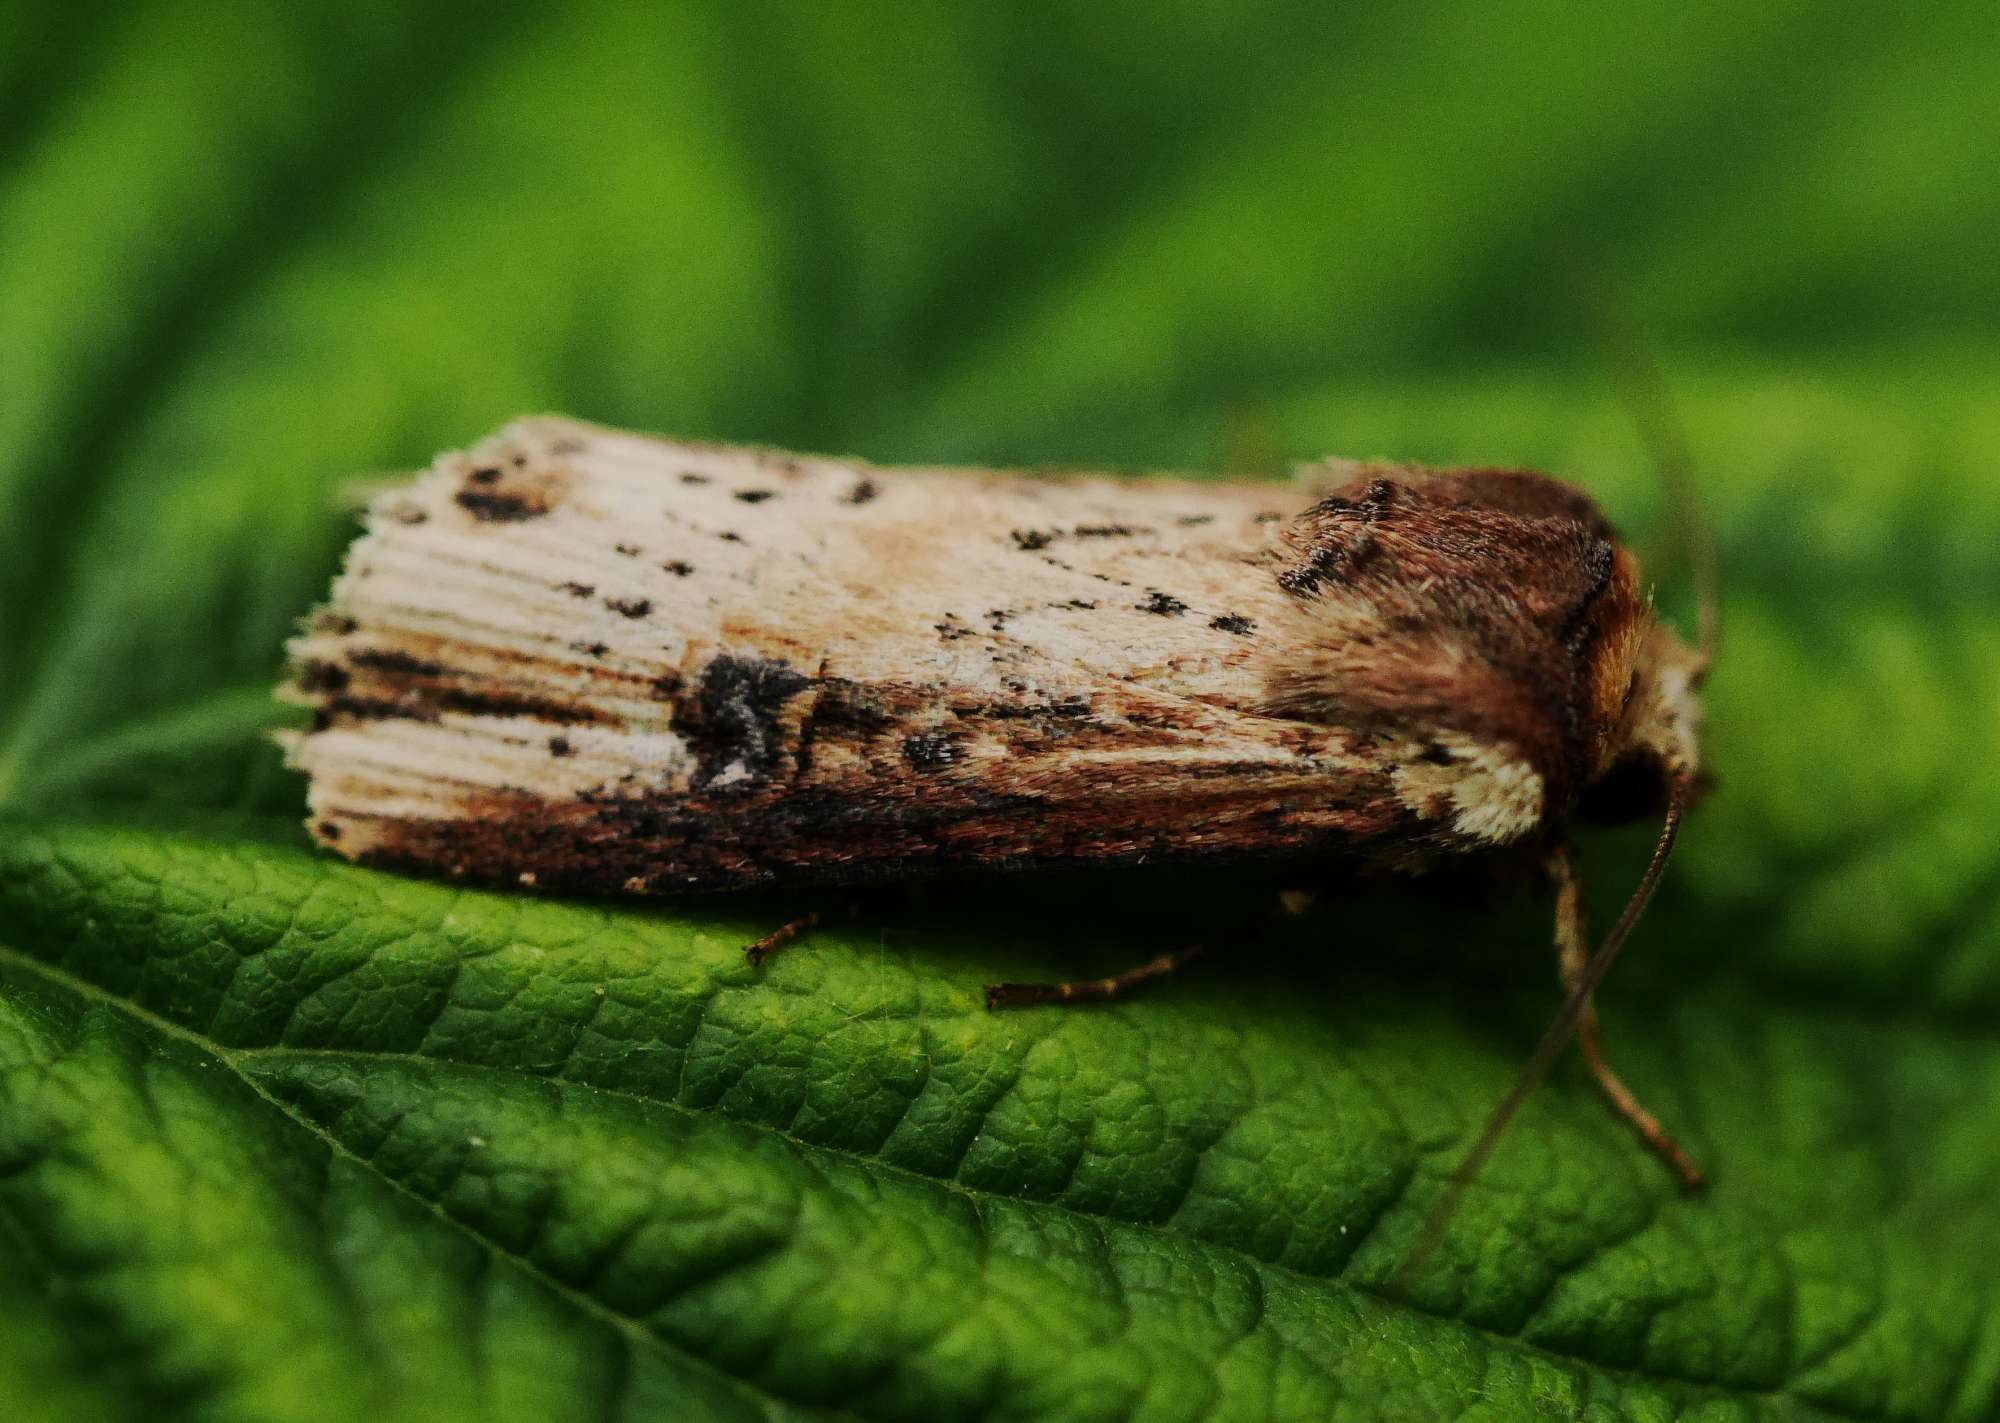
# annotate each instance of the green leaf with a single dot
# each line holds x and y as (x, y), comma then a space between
(281, 1139)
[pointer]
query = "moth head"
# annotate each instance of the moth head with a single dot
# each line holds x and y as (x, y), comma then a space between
(1655, 736)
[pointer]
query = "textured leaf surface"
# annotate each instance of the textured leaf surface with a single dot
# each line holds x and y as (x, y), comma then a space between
(281, 1139)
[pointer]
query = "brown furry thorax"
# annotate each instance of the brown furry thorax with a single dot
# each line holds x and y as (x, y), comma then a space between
(1501, 605)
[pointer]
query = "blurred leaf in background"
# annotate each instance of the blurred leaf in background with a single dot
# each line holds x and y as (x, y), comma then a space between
(284, 1140)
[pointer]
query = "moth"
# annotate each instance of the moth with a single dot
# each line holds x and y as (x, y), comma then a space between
(590, 661)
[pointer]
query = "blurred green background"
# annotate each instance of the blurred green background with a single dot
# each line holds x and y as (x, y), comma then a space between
(247, 252)
(251, 255)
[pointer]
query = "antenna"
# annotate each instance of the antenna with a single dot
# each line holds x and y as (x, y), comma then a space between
(1554, 1040)
(1644, 391)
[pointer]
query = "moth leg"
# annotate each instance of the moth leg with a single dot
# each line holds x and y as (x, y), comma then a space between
(1573, 954)
(761, 949)
(1089, 990)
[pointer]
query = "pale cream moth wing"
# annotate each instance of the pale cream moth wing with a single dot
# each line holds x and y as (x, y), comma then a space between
(592, 660)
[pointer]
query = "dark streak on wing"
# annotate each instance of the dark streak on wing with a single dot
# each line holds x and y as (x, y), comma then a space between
(770, 799)
(379, 676)
(613, 841)
(396, 661)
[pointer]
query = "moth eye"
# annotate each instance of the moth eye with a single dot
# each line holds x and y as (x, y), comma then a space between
(1435, 755)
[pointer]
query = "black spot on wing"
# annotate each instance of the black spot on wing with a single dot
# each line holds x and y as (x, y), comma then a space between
(930, 751)
(491, 508)
(733, 719)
